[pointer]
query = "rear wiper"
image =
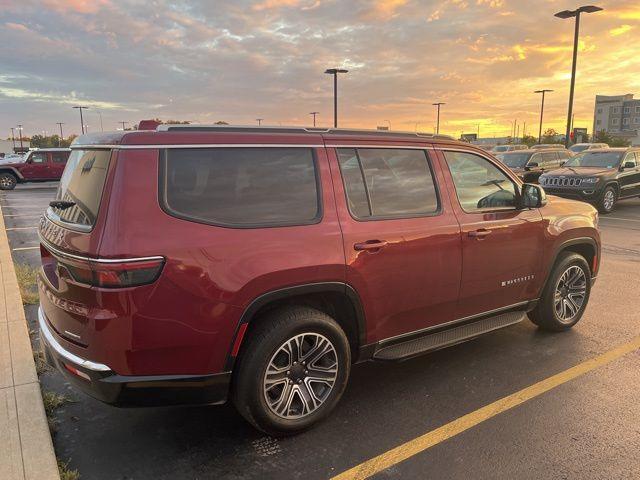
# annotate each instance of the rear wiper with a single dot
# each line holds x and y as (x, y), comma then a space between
(61, 204)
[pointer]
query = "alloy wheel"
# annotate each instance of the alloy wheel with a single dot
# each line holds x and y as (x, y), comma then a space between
(608, 200)
(300, 375)
(570, 293)
(5, 182)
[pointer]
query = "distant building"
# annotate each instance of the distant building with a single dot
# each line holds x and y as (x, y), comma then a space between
(618, 115)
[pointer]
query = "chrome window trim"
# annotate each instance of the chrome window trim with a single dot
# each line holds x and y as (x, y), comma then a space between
(197, 145)
(53, 343)
(389, 146)
(72, 256)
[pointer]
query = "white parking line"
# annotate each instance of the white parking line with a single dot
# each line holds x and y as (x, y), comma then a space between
(21, 228)
(30, 216)
(25, 248)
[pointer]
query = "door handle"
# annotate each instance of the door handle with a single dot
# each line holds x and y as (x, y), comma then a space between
(370, 245)
(480, 234)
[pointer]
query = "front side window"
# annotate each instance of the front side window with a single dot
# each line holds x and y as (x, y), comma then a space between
(241, 187)
(39, 158)
(517, 159)
(549, 159)
(480, 185)
(387, 183)
(630, 158)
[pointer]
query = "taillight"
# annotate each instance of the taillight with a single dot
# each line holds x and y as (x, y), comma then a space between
(115, 274)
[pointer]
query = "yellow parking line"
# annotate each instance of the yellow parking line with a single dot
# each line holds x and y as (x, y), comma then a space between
(434, 437)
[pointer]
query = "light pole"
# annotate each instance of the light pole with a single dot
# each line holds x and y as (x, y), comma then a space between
(259, 120)
(314, 117)
(123, 123)
(100, 114)
(80, 107)
(541, 111)
(13, 139)
(20, 134)
(389, 122)
(437, 105)
(335, 72)
(564, 15)
(61, 136)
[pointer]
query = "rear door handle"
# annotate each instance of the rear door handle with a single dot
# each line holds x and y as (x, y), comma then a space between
(370, 245)
(479, 234)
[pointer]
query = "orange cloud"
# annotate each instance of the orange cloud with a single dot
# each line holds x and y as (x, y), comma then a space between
(273, 4)
(16, 26)
(383, 9)
(621, 30)
(79, 6)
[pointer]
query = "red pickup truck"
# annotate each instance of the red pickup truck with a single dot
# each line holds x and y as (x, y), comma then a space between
(40, 165)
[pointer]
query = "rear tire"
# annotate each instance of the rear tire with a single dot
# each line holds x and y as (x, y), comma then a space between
(292, 371)
(566, 294)
(608, 200)
(8, 181)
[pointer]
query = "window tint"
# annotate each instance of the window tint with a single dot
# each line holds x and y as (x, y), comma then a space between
(82, 183)
(479, 184)
(242, 187)
(38, 158)
(549, 158)
(397, 182)
(59, 157)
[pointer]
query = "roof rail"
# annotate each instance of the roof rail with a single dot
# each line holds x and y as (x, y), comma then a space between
(278, 129)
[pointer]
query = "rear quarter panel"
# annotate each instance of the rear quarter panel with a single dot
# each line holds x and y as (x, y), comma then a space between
(184, 323)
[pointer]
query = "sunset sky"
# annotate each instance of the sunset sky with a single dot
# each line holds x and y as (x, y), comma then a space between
(236, 61)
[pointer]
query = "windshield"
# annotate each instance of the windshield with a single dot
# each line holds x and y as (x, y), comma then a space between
(515, 160)
(501, 148)
(578, 148)
(595, 159)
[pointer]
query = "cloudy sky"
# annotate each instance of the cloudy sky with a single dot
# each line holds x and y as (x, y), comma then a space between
(210, 60)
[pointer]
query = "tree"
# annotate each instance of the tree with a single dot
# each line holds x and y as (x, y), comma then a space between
(221, 122)
(51, 141)
(604, 137)
(529, 140)
(549, 136)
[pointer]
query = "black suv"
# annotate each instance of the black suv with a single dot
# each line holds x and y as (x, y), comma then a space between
(530, 164)
(600, 177)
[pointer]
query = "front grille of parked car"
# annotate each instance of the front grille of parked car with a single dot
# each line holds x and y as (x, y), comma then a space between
(562, 182)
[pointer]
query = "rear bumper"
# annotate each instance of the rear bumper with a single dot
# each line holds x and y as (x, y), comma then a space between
(102, 383)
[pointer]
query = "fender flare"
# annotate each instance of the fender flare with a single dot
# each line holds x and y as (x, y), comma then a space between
(294, 291)
(563, 246)
(5, 169)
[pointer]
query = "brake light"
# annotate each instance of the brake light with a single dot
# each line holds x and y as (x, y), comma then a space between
(118, 274)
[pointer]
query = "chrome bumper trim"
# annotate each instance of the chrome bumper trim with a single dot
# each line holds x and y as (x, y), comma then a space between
(52, 342)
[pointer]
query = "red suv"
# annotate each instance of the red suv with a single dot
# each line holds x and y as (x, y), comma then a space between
(39, 165)
(192, 264)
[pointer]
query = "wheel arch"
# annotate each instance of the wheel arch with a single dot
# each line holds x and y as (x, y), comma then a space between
(337, 299)
(12, 171)
(584, 246)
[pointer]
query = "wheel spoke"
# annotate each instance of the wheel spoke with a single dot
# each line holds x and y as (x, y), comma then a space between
(301, 375)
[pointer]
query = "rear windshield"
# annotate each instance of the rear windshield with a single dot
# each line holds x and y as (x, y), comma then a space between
(241, 187)
(81, 185)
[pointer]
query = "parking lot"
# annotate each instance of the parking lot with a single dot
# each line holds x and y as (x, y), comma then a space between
(587, 427)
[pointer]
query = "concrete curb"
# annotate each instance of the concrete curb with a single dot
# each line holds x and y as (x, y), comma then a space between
(27, 450)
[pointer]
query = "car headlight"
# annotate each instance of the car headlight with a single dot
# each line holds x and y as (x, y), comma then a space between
(590, 180)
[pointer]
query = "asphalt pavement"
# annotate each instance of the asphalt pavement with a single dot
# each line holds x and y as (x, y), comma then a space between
(587, 427)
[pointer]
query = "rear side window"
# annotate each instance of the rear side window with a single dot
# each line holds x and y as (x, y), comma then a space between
(241, 187)
(387, 183)
(59, 157)
(81, 184)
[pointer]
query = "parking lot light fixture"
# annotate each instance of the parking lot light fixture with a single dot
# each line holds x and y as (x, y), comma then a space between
(80, 107)
(437, 105)
(314, 117)
(259, 120)
(565, 14)
(13, 139)
(335, 72)
(546, 90)
(20, 134)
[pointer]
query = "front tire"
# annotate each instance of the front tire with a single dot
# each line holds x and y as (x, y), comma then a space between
(608, 201)
(292, 371)
(8, 181)
(565, 296)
